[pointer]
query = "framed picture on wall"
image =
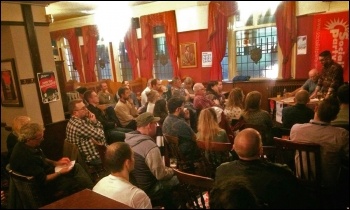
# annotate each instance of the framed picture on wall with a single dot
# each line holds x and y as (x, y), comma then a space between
(10, 92)
(188, 55)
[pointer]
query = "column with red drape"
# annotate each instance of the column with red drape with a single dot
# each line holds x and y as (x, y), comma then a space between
(286, 34)
(90, 43)
(131, 45)
(219, 11)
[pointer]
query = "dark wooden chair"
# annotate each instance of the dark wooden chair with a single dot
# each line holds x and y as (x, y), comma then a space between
(102, 152)
(195, 190)
(307, 163)
(215, 154)
(171, 144)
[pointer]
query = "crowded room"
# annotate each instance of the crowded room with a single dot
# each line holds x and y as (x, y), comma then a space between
(174, 105)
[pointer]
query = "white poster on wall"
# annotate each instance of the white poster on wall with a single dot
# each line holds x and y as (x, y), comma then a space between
(207, 58)
(279, 107)
(302, 45)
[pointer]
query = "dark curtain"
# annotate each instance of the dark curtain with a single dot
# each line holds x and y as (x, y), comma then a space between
(90, 43)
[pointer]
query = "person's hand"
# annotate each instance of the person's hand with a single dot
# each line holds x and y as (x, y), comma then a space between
(66, 169)
(92, 117)
(216, 101)
(63, 161)
(186, 113)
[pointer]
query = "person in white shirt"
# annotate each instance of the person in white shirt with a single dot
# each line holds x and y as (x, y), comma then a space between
(145, 91)
(120, 161)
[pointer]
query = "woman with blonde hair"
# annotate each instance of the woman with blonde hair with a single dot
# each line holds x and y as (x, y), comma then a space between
(209, 129)
(12, 138)
(234, 106)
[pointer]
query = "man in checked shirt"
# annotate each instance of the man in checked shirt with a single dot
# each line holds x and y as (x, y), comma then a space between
(82, 129)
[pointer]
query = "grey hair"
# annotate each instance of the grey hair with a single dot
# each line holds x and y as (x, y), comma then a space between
(29, 131)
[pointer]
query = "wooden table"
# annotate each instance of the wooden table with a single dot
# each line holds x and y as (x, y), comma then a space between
(276, 111)
(86, 199)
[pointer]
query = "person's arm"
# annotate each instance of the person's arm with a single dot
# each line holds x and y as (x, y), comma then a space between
(337, 79)
(155, 163)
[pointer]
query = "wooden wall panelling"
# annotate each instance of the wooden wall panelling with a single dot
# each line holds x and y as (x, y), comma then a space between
(268, 88)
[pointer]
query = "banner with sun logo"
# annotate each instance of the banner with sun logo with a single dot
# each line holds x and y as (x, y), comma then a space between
(331, 32)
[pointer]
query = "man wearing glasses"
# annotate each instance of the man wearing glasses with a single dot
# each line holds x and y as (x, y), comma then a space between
(82, 129)
(28, 159)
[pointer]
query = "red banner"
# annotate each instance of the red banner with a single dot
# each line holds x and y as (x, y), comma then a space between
(331, 32)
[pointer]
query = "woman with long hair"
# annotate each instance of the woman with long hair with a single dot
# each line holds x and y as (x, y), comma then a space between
(234, 105)
(209, 129)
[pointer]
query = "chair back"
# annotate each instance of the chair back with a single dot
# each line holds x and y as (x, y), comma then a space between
(101, 148)
(195, 188)
(24, 191)
(171, 144)
(307, 160)
(215, 154)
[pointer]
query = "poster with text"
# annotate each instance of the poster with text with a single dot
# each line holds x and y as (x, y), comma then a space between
(48, 87)
(301, 45)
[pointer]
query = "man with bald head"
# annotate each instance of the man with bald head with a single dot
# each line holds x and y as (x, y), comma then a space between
(299, 113)
(310, 84)
(274, 185)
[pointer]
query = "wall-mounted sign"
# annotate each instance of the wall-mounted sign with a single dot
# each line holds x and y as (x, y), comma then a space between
(207, 58)
(48, 87)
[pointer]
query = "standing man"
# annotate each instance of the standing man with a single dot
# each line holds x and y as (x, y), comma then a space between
(120, 162)
(28, 159)
(331, 76)
(150, 173)
(82, 128)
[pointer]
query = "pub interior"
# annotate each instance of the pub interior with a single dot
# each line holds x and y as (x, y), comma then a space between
(256, 46)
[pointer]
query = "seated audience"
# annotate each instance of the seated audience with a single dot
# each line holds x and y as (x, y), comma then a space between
(232, 193)
(343, 115)
(120, 161)
(220, 92)
(200, 101)
(161, 110)
(274, 185)
(150, 174)
(104, 96)
(81, 90)
(334, 141)
(125, 109)
(254, 115)
(82, 128)
(145, 91)
(28, 159)
(212, 93)
(188, 85)
(208, 128)
(178, 90)
(299, 113)
(175, 125)
(152, 97)
(234, 106)
(12, 138)
(309, 85)
(112, 132)
(132, 94)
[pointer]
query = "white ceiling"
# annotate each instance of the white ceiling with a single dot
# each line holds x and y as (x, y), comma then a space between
(62, 10)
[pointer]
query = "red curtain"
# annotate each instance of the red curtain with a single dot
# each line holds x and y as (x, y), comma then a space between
(73, 41)
(286, 33)
(131, 45)
(167, 19)
(90, 34)
(219, 11)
